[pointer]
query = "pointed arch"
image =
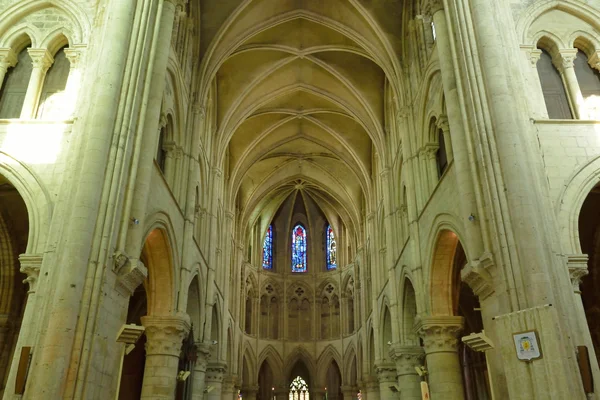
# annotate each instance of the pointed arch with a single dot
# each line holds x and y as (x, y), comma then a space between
(327, 356)
(300, 354)
(299, 248)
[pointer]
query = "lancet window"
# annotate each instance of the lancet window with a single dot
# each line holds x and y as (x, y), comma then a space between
(331, 248)
(268, 249)
(299, 249)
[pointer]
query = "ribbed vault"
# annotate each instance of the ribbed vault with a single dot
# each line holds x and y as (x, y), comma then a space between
(299, 92)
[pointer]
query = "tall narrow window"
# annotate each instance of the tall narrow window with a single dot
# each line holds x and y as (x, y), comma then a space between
(441, 155)
(12, 94)
(52, 99)
(589, 83)
(268, 249)
(299, 249)
(331, 248)
(161, 154)
(555, 96)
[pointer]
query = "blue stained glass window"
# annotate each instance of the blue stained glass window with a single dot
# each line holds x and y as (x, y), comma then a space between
(268, 249)
(299, 249)
(331, 248)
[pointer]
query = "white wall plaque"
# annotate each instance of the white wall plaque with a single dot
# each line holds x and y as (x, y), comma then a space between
(527, 345)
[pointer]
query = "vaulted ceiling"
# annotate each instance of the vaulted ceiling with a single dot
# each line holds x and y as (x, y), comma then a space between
(299, 89)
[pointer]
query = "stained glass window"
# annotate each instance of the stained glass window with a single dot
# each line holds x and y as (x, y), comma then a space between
(299, 389)
(268, 249)
(331, 248)
(299, 249)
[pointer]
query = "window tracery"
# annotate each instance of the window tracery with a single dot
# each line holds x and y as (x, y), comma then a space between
(299, 249)
(268, 249)
(299, 389)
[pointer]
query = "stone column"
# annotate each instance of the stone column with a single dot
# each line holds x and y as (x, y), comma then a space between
(564, 63)
(8, 59)
(164, 336)
(199, 376)
(406, 359)
(42, 60)
(74, 55)
(440, 336)
(249, 392)
(348, 392)
(386, 375)
(214, 380)
(538, 103)
(372, 389)
(229, 389)
(462, 152)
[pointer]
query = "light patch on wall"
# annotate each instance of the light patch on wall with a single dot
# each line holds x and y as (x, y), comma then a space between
(33, 143)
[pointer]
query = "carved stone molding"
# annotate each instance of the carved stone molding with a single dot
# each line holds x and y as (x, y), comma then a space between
(130, 273)
(440, 334)
(407, 358)
(478, 276)
(8, 58)
(564, 59)
(533, 54)
(386, 372)
(578, 268)
(215, 371)
(30, 266)
(594, 60)
(430, 7)
(41, 59)
(203, 354)
(165, 334)
(74, 55)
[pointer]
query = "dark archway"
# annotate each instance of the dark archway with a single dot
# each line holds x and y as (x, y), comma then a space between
(333, 382)
(265, 382)
(14, 231)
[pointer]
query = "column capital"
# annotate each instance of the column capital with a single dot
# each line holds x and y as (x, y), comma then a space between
(30, 266)
(41, 58)
(440, 334)
(8, 58)
(533, 54)
(74, 55)
(386, 372)
(430, 7)
(564, 59)
(406, 358)
(165, 334)
(442, 123)
(215, 371)
(430, 150)
(578, 268)
(477, 274)
(594, 60)
(130, 273)
(203, 354)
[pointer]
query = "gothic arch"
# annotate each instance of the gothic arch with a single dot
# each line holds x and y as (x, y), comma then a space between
(570, 201)
(158, 257)
(350, 357)
(328, 355)
(35, 196)
(300, 354)
(248, 359)
(273, 358)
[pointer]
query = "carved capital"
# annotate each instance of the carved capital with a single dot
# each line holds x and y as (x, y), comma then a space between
(8, 58)
(386, 372)
(131, 273)
(443, 124)
(40, 59)
(429, 150)
(578, 268)
(533, 54)
(440, 334)
(407, 358)
(74, 55)
(203, 355)
(564, 59)
(430, 7)
(215, 371)
(478, 276)
(594, 60)
(30, 266)
(165, 334)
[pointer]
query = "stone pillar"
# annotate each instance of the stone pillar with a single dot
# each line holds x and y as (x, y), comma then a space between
(440, 336)
(164, 336)
(42, 60)
(74, 55)
(386, 375)
(8, 59)
(460, 138)
(564, 63)
(538, 103)
(372, 389)
(229, 388)
(249, 392)
(406, 359)
(348, 392)
(214, 380)
(200, 367)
